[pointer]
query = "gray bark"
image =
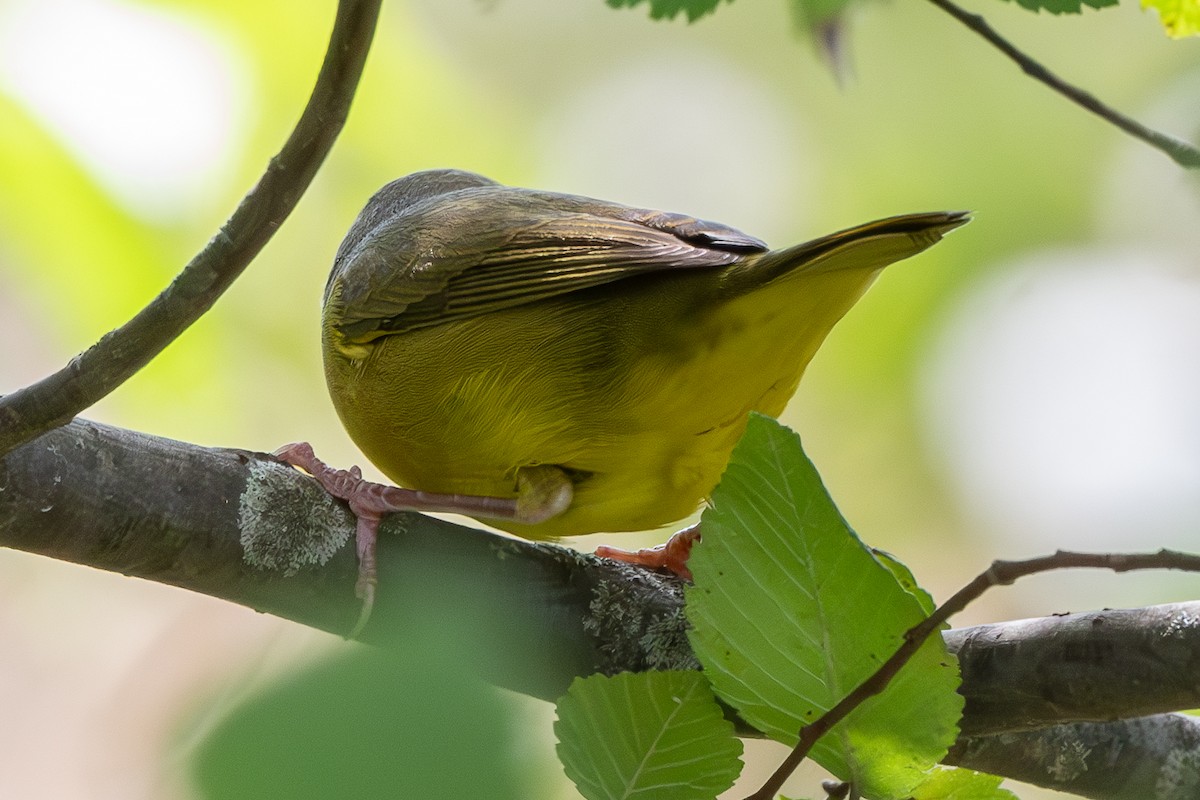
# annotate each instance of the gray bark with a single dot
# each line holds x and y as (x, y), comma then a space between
(1041, 695)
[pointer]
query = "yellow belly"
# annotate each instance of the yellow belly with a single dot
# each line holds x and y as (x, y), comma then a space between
(639, 397)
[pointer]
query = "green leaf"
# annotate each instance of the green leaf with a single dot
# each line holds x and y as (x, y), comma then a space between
(410, 721)
(790, 612)
(1180, 17)
(906, 579)
(668, 9)
(810, 13)
(365, 726)
(961, 784)
(1064, 6)
(651, 734)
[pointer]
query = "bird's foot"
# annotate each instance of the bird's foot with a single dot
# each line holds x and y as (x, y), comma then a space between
(672, 555)
(368, 502)
(543, 492)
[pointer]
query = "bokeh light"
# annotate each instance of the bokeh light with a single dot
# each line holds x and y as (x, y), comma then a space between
(1061, 400)
(152, 102)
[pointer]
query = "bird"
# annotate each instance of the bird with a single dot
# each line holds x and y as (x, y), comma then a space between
(559, 365)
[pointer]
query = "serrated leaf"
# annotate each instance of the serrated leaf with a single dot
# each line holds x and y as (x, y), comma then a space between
(790, 611)
(668, 9)
(650, 734)
(961, 784)
(1180, 18)
(906, 579)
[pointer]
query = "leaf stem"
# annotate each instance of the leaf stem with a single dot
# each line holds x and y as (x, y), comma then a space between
(1181, 152)
(1000, 573)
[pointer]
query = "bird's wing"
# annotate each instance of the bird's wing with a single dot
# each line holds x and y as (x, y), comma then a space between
(497, 248)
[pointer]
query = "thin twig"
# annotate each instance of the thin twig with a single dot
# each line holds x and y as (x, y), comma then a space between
(54, 400)
(1180, 152)
(1000, 573)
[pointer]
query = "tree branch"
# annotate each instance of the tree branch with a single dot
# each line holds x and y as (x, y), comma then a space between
(1179, 151)
(1092, 666)
(52, 401)
(234, 524)
(1136, 759)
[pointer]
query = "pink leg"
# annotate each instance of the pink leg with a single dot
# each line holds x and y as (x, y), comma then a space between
(671, 555)
(542, 493)
(370, 501)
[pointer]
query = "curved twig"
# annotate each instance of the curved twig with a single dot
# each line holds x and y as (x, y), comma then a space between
(1179, 151)
(54, 400)
(1000, 573)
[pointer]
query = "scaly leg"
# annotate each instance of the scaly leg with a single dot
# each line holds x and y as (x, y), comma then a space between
(542, 492)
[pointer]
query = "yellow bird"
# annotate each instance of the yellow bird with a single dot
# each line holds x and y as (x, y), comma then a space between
(561, 365)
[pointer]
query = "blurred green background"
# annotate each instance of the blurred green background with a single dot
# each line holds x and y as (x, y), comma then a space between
(1029, 384)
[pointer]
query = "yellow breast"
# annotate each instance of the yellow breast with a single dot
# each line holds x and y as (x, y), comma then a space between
(640, 394)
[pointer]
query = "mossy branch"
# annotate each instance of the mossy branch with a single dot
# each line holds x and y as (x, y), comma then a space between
(236, 525)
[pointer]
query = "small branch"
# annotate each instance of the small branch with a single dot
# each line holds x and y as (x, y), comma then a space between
(1179, 151)
(52, 401)
(1000, 573)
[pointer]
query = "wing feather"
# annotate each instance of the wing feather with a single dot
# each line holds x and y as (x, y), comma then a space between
(482, 249)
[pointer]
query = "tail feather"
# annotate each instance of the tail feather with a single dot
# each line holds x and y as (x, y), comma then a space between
(869, 247)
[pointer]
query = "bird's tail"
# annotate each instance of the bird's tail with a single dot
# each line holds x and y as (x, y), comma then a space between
(869, 247)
